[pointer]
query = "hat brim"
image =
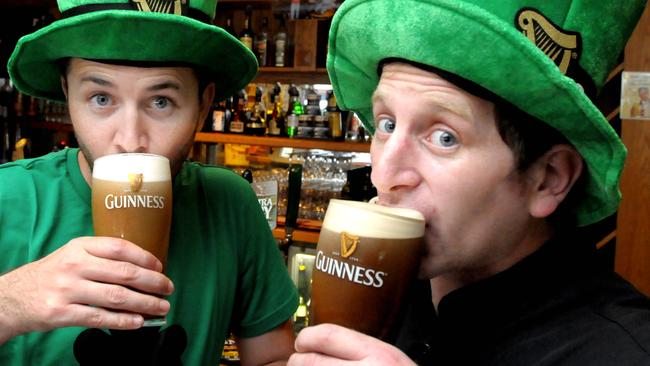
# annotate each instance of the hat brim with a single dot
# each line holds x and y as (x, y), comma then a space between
(129, 36)
(363, 33)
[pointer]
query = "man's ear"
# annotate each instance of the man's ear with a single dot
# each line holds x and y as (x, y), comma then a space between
(553, 176)
(206, 103)
(64, 87)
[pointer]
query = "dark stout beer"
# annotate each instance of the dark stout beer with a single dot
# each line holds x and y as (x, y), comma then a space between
(366, 256)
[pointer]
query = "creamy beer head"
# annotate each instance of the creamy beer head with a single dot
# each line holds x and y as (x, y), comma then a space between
(366, 257)
(373, 221)
(123, 167)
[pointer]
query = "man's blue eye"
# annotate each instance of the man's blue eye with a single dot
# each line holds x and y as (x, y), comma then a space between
(386, 125)
(101, 99)
(444, 138)
(161, 102)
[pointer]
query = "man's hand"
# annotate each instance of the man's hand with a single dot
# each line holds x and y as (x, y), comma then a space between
(96, 282)
(329, 344)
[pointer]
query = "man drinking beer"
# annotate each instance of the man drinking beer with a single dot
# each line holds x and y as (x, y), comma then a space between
(483, 122)
(137, 78)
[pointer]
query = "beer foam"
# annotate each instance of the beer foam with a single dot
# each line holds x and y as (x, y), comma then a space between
(117, 167)
(372, 220)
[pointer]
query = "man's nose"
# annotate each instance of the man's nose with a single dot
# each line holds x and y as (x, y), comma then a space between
(394, 163)
(131, 132)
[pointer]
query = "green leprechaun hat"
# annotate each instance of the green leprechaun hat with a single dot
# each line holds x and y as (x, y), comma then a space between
(166, 31)
(545, 57)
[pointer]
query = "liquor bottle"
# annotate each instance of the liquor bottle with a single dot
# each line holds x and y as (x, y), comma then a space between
(246, 36)
(237, 123)
(230, 353)
(334, 118)
(256, 124)
(220, 116)
(262, 42)
(313, 99)
(280, 43)
(228, 28)
(276, 123)
(295, 110)
(303, 281)
(294, 10)
(300, 317)
(19, 105)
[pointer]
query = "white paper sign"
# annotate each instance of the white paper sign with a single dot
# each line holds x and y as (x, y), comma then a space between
(635, 95)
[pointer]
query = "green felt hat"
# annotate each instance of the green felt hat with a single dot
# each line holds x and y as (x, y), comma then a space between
(165, 31)
(545, 57)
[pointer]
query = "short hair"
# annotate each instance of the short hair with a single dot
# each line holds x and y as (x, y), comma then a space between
(529, 139)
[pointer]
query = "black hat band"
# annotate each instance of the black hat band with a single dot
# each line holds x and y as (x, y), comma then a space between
(155, 6)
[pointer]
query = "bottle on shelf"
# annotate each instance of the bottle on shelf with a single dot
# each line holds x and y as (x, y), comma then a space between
(256, 124)
(334, 118)
(281, 43)
(274, 114)
(294, 10)
(230, 353)
(18, 105)
(295, 111)
(262, 42)
(229, 28)
(301, 316)
(313, 101)
(246, 36)
(238, 116)
(219, 116)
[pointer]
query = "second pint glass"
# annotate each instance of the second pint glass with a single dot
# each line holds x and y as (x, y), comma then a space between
(366, 257)
(132, 200)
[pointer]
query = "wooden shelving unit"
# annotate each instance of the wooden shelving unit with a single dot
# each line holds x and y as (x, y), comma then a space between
(307, 236)
(290, 75)
(225, 138)
(307, 231)
(63, 127)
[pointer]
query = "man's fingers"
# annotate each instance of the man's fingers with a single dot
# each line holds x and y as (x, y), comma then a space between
(121, 250)
(314, 359)
(95, 317)
(119, 298)
(128, 274)
(335, 341)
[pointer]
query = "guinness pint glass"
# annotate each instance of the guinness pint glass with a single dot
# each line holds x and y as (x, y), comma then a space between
(366, 257)
(132, 199)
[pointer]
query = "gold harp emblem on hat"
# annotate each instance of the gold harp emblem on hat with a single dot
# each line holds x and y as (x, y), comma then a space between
(349, 244)
(559, 45)
(160, 6)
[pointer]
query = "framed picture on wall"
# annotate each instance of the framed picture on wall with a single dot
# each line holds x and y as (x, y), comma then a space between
(635, 95)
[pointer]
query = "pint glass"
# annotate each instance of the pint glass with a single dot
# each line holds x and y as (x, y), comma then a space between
(132, 200)
(366, 257)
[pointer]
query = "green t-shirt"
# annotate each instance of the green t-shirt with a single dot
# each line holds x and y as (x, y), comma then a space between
(223, 259)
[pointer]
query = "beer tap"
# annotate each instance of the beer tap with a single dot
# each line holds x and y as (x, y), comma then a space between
(293, 203)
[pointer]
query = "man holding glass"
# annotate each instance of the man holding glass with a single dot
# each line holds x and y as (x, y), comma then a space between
(138, 78)
(483, 121)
